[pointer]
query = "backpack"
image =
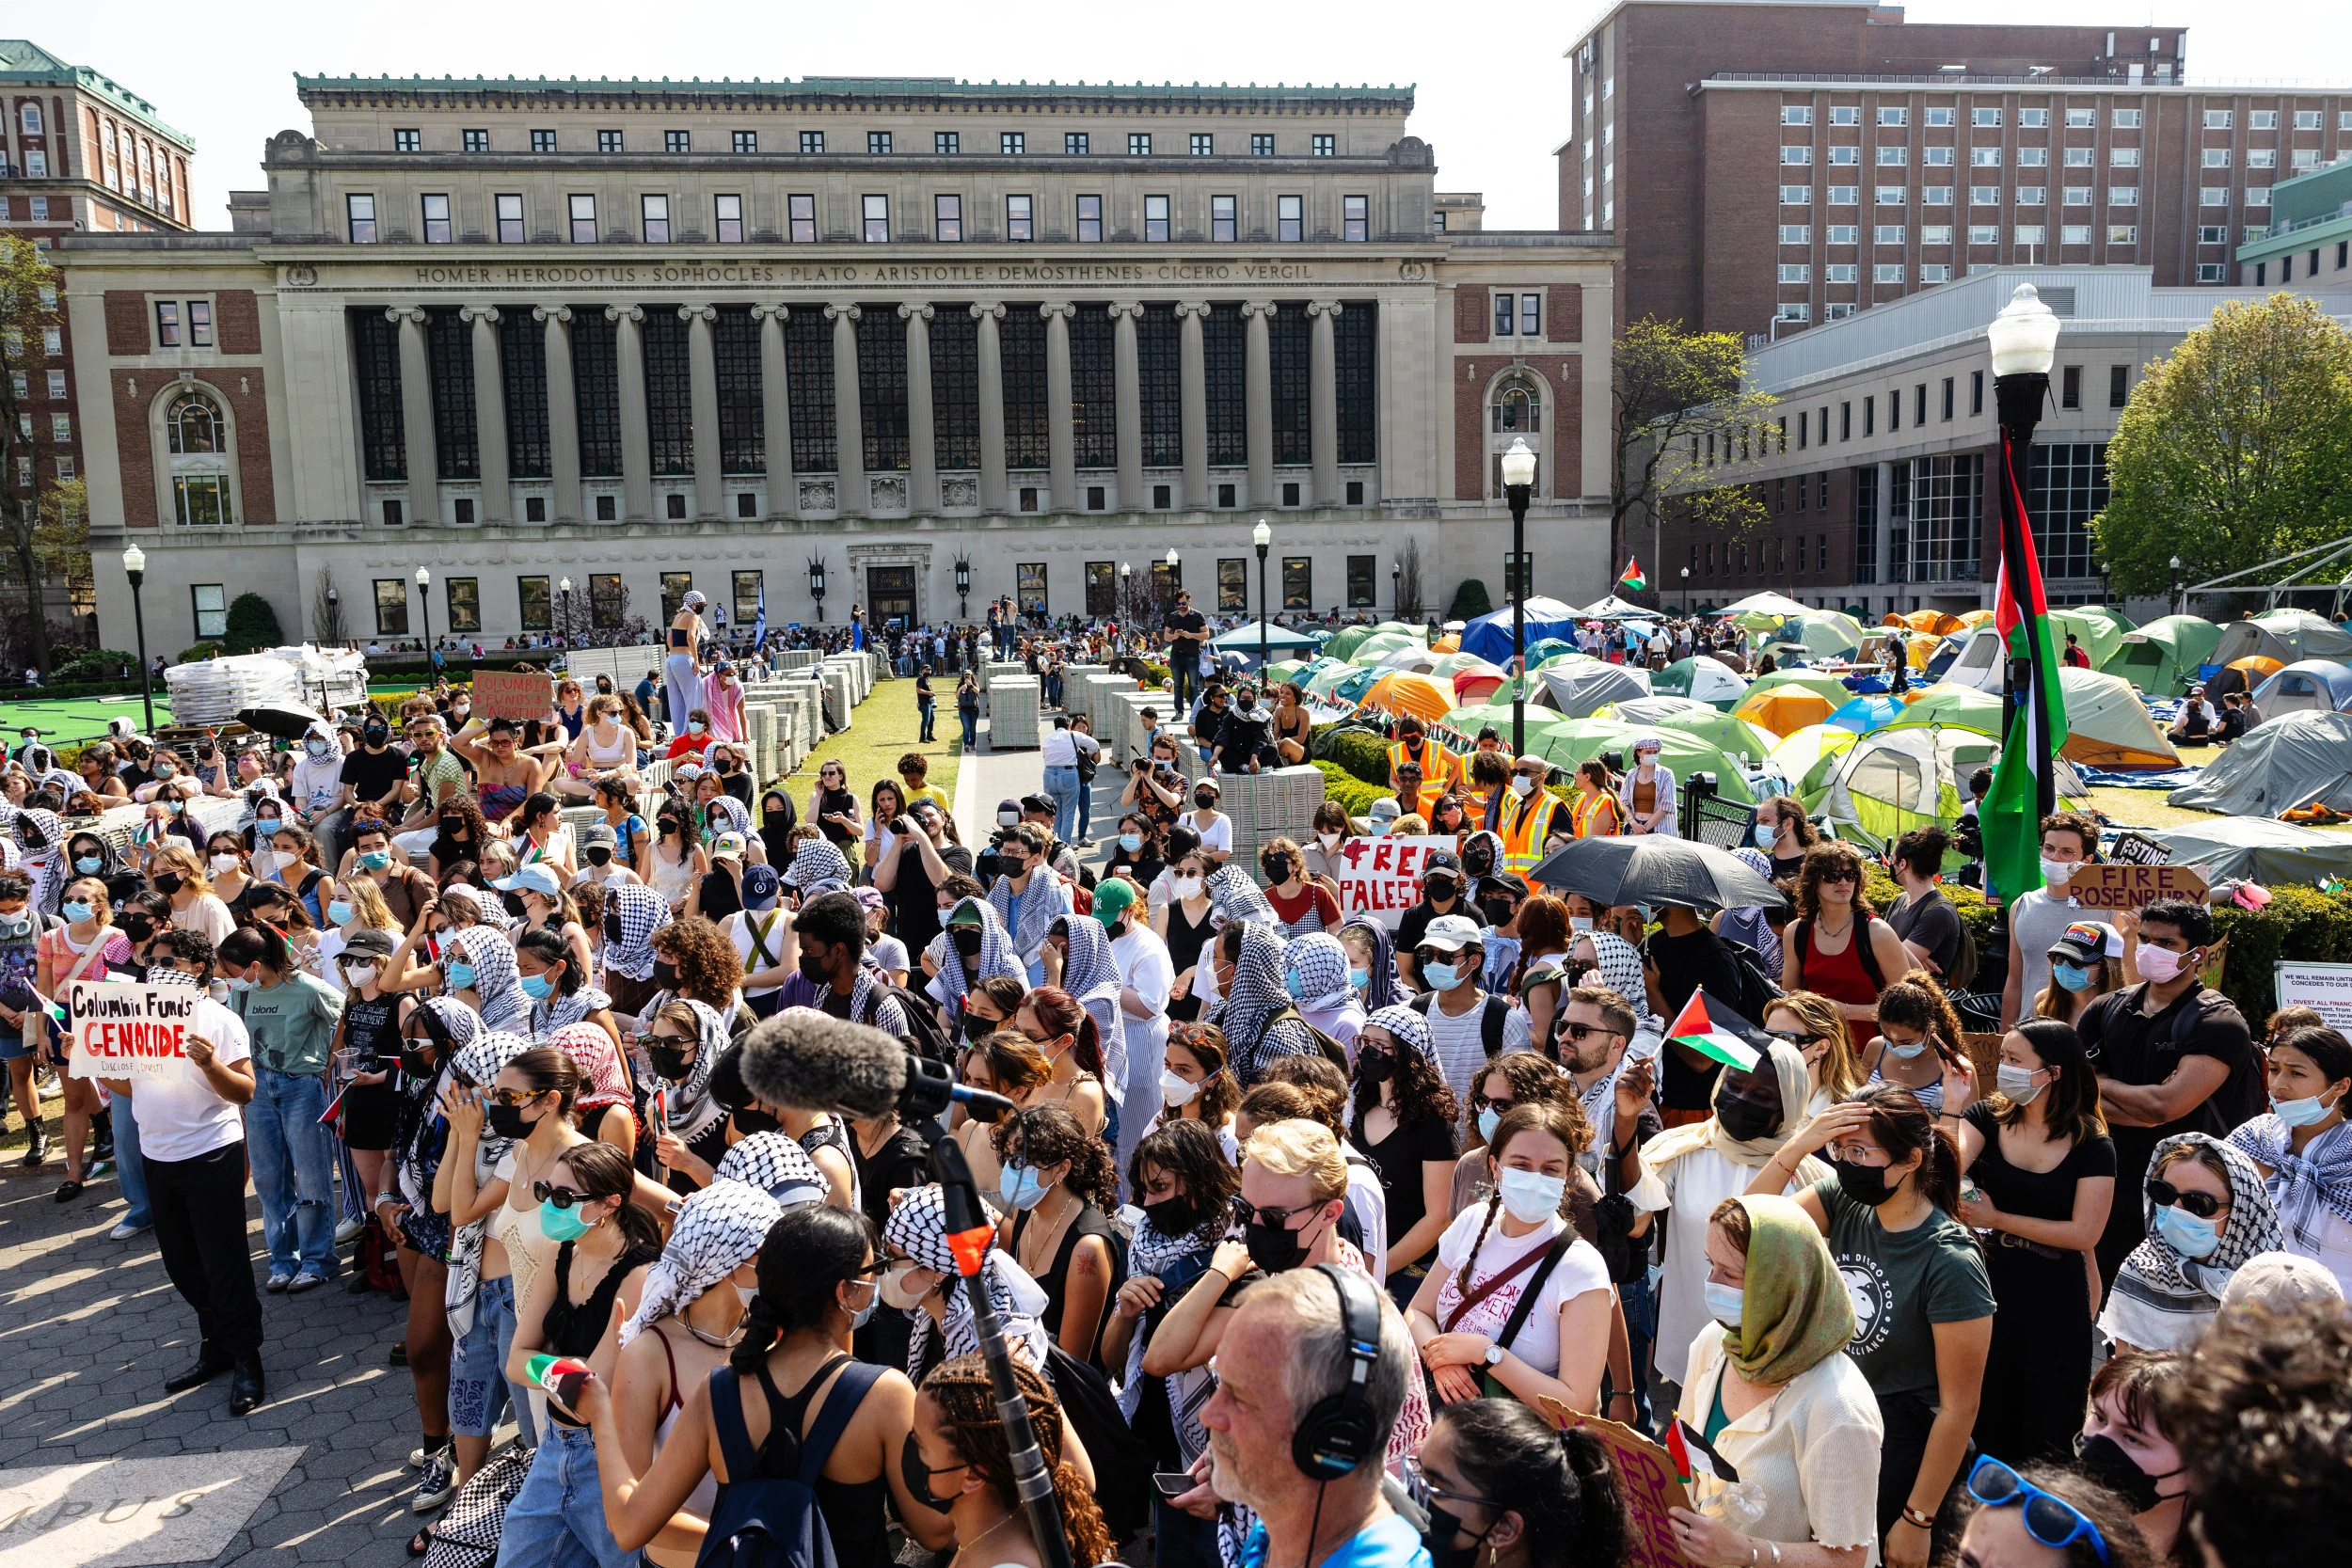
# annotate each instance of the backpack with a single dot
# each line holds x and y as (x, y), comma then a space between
(762, 1522)
(1333, 1052)
(1758, 990)
(1490, 1022)
(923, 1036)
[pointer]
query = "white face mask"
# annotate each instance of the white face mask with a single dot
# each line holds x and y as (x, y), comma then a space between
(360, 974)
(1328, 841)
(1521, 785)
(1175, 1091)
(897, 1291)
(1580, 923)
(223, 863)
(1187, 887)
(2060, 873)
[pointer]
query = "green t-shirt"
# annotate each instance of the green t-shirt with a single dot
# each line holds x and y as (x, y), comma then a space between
(1903, 1283)
(292, 1023)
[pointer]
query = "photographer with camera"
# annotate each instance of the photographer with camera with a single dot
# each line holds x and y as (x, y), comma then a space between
(1154, 786)
(922, 857)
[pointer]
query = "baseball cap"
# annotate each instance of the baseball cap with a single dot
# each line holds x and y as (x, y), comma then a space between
(600, 834)
(1037, 805)
(367, 942)
(2086, 942)
(537, 877)
(760, 886)
(1113, 898)
(1441, 863)
(1385, 810)
(1451, 933)
(1007, 808)
(730, 844)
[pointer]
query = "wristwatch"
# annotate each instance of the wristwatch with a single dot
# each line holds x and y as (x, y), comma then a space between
(1494, 1355)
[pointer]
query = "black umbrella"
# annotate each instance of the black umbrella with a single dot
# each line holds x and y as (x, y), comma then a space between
(1651, 869)
(285, 721)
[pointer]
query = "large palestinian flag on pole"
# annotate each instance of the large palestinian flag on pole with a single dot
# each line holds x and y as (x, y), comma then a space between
(2025, 783)
(1632, 579)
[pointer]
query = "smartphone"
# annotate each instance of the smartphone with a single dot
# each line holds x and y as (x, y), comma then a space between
(1173, 1484)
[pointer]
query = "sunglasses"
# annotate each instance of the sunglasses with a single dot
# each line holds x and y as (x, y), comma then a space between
(1841, 874)
(2203, 1205)
(2051, 1520)
(1792, 1039)
(1583, 1031)
(510, 1098)
(1271, 1216)
(559, 1197)
(1487, 1102)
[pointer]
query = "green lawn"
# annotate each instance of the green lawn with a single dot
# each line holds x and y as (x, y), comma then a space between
(881, 730)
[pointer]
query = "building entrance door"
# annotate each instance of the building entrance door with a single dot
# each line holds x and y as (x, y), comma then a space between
(890, 597)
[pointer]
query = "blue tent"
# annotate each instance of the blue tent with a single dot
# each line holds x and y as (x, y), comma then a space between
(1865, 714)
(1489, 636)
(2310, 685)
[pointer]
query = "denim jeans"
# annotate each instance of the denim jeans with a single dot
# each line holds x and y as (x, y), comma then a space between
(478, 1389)
(930, 719)
(1063, 786)
(130, 1170)
(294, 1170)
(1184, 676)
(1640, 1328)
(971, 719)
(557, 1519)
(498, 1300)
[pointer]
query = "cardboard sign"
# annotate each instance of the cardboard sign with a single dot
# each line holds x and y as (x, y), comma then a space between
(1381, 877)
(517, 694)
(1645, 1474)
(127, 1030)
(2327, 988)
(2112, 886)
(2138, 850)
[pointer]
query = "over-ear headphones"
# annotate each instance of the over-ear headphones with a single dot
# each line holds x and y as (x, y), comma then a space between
(1335, 1434)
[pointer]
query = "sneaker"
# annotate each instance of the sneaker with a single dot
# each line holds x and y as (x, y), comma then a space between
(47, 1086)
(305, 1280)
(347, 1230)
(439, 1482)
(277, 1282)
(124, 1230)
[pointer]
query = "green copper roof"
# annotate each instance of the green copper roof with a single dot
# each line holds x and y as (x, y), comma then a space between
(843, 86)
(24, 61)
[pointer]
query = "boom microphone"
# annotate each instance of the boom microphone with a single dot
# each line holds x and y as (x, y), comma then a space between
(811, 1061)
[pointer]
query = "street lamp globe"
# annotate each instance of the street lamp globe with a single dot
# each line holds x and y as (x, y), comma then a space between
(1262, 535)
(564, 586)
(2024, 336)
(425, 577)
(1171, 557)
(134, 561)
(1518, 466)
(2176, 562)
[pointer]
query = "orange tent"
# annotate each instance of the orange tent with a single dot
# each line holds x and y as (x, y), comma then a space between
(1450, 643)
(1404, 691)
(1934, 622)
(2256, 668)
(1785, 711)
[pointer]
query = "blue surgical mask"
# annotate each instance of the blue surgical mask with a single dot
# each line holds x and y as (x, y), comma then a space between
(2295, 1113)
(2071, 977)
(1360, 978)
(1022, 1189)
(458, 974)
(1132, 842)
(338, 911)
(1764, 834)
(864, 1314)
(561, 1224)
(77, 912)
(538, 987)
(1441, 976)
(88, 864)
(1489, 1120)
(377, 860)
(1531, 1196)
(1906, 1053)
(1293, 984)
(1723, 1301)
(2184, 1233)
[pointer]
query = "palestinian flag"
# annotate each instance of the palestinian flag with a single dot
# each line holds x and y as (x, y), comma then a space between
(1695, 1456)
(1713, 1029)
(1631, 580)
(2025, 783)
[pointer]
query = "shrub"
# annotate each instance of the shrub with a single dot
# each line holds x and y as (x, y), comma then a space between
(1352, 793)
(197, 655)
(252, 624)
(1469, 601)
(1361, 756)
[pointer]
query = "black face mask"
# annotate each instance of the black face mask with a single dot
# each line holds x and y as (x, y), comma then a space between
(1743, 1121)
(1437, 1538)
(815, 969)
(416, 1058)
(976, 1028)
(1865, 1184)
(168, 882)
(1499, 912)
(1276, 1248)
(751, 1119)
(513, 904)
(1205, 798)
(1172, 1216)
(670, 1061)
(452, 826)
(665, 973)
(967, 940)
(373, 736)
(1375, 1066)
(1479, 859)
(600, 855)
(612, 926)
(506, 1122)
(776, 821)
(139, 927)
(671, 825)
(2103, 1459)
(917, 1476)
(1277, 868)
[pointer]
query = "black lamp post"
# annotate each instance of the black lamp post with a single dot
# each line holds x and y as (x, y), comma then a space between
(135, 568)
(2022, 341)
(963, 588)
(1686, 593)
(334, 611)
(424, 598)
(817, 586)
(1396, 587)
(563, 625)
(2179, 607)
(1518, 482)
(1262, 536)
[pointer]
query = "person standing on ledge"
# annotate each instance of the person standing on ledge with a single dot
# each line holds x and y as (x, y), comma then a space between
(683, 679)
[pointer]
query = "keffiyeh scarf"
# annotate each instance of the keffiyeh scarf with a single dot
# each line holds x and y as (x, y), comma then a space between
(918, 1228)
(1382, 990)
(1028, 914)
(602, 1080)
(691, 1109)
(560, 1010)
(39, 837)
(776, 1165)
(2162, 1300)
(817, 868)
(1256, 995)
(1621, 971)
(1186, 1256)
(424, 1130)
(718, 1231)
(2307, 1188)
(1406, 1027)
(1234, 896)
(504, 1002)
(731, 816)
(1321, 964)
(956, 978)
(641, 911)
(479, 1063)
(1090, 976)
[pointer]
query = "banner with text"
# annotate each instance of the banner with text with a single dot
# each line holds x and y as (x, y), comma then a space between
(127, 1030)
(2327, 988)
(517, 694)
(1381, 877)
(2111, 885)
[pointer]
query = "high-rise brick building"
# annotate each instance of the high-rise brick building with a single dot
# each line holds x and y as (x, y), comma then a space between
(1768, 163)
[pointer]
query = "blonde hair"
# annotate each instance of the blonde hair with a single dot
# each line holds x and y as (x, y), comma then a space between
(1841, 1074)
(1412, 824)
(369, 900)
(1299, 1147)
(183, 860)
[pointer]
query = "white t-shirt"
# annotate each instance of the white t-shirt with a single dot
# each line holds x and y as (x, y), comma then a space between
(1146, 969)
(778, 941)
(1217, 835)
(1579, 1268)
(1062, 745)
(1371, 1202)
(1460, 1044)
(181, 1118)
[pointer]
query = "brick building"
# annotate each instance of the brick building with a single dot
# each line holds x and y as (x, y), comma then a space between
(1767, 166)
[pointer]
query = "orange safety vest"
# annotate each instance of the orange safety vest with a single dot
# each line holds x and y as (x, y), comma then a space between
(1583, 813)
(1436, 763)
(1526, 823)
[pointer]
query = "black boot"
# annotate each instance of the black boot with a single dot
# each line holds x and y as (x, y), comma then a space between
(208, 1365)
(37, 1142)
(245, 1389)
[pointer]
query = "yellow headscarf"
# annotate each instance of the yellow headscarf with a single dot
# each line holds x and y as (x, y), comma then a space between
(1794, 1309)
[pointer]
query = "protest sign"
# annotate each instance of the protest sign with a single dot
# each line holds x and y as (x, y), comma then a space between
(2112, 886)
(1645, 1474)
(516, 694)
(126, 1030)
(2325, 988)
(1381, 877)
(2138, 850)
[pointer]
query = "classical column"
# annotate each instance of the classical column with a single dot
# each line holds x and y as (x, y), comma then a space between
(1258, 402)
(1127, 375)
(628, 367)
(922, 451)
(1061, 453)
(415, 417)
(991, 372)
(851, 497)
(562, 414)
(1323, 401)
(1890, 570)
(702, 363)
(489, 414)
(1193, 376)
(775, 412)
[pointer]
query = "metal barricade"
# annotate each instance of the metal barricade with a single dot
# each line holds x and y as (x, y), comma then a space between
(1708, 819)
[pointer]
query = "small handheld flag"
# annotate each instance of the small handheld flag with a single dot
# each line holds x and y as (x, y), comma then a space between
(1716, 1032)
(1631, 578)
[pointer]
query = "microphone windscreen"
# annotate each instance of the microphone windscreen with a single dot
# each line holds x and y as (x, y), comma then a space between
(808, 1060)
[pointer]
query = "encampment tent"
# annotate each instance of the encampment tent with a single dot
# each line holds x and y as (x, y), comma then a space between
(1821, 632)
(1958, 707)
(2164, 656)
(1489, 636)
(1244, 639)
(2285, 635)
(1577, 690)
(2286, 762)
(1583, 739)
(1773, 607)
(1651, 709)
(2309, 686)
(1710, 680)
(1807, 758)
(1896, 780)
(1614, 608)
(2108, 725)
(2255, 847)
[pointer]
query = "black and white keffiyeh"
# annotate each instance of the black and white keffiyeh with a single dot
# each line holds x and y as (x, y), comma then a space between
(504, 1002)
(641, 912)
(817, 868)
(1382, 987)
(1151, 1253)
(718, 1231)
(560, 1010)
(1090, 976)
(918, 1228)
(2306, 1189)
(480, 1062)
(1255, 995)
(725, 813)
(776, 1165)
(690, 1108)
(2162, 1300)
(1321, 964)
(39, 837)
(956, 978)
(1233, 896)
(1027, 915)
(1406, 1027)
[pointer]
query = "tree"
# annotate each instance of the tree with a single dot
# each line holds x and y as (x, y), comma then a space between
(28, 312)
(2234, 451)
(327, 625)
(252, 624)
(1471, 601)
(1409, 588)
(1681, 412)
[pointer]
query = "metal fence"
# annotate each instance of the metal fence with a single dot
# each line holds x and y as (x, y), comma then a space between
(1708, 819)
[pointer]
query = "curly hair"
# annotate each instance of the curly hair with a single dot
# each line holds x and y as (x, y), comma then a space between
(1272, 1102)
(706, 964)
(465, 808)
(967, 1407)
(1045, 1136)
(1421, 1091)
(1829, 852)
(1221, 1091)
(1787, 809)
(1841, 1074)
(1917, 1002)
(1190, 1152)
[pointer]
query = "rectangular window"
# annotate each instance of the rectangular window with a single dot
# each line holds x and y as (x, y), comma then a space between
(1935, 233)
(1012, 144)
(1796, 233)
(1888, 234)
(584, 219)
(1845, 113)
(1531, 315)
(2215, 272)
(406, 141)
(1936, 195)
(536, 603)
(463, 599)
(1845, 195)
(1984, 117)
(1138, 144)
(211, 602)
(1796, 114)
(475, 141)
(1984, 157)
(1941, 114)
(1984, 233)
(2215, 157)
(543, 141)
(2258, 195)
(2076, 195)
(727, 220)
(1203, 144)
(1887, 272)
(1260, 145)
(1356, 217)
(948, 218)
(801, 212)
(608, 141)
(2034, 119)
(1232, 585)
(2081, 120)
(876, 144)
(1891, 196)
(2213, 233)
(677, 141)
(1840, 272)
(1845, 422)
(2071, 386)
(607, 600)
(510, 218)
(2122, 234)
(2217, 120)
(2128, 195)
(1845, 233)
(1324, 146)
(2126, 119)
(1796, 272)
(1155, 221)
(946, 144)
(2032, 233)
(1299, 582)
(166, 324)
(1017, 218)
(877, 218)
(1506, 318)
(1074, 144)
(1796, 196)
(359, 211)
(655, 211)
(1795, 157)
(1029, 579)
(1894, 117)
(1223, 224)
(2307, 119)
(1845, 156)
(1224, 342)
(2080, 157)
(2118, 385)
(2033, 157)
(436, 225)
(811, 141)
(391, 608)
(1920, 403)
(1936, 272)
(1089, 219)
(746, 141)
(1290, 218)
(1940, 157)
(1893, 157)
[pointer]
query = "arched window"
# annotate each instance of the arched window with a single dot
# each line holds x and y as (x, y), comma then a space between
(1519, 408)
(197, 437)
(194, 422)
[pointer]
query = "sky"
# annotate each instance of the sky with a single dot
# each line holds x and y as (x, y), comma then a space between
(1491, 86)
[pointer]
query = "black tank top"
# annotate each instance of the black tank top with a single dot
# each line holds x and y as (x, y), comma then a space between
(1055, 1281)
(1185, 938)
(852, 1509)
(570, 1329)
(368, 1026)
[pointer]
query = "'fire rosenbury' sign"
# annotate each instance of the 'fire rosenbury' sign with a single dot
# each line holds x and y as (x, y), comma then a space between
(124, 1030)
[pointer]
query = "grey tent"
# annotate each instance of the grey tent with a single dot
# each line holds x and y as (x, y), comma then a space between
(2285, 635)
(1578, 690)
(2270, 852)
(2293, 760)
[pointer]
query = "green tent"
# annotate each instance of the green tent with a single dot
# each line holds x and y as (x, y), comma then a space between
(1344, 642)
(1577, 740)
(1822, 632)
(1829, 686)
(1807, 758)
(1379, 642)
(2164, 656)
(1708, 680)
(1546, 647)
(1284, 670)
(2098, 635)
(1958, 707)
(1729, 736)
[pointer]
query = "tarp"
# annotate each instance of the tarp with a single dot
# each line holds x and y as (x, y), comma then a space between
(1774, 605)
(2284, 763)
(2164, 656)
(1244, 639)
(2108, 726)
(1807, 758)
(1896, 780)
(1710, 680)
(2308, 685)
(2285, 635)
(2267, 851)
(1489, 636)
(1578, 690)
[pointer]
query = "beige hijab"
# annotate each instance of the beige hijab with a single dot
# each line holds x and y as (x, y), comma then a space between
(1796, 1092)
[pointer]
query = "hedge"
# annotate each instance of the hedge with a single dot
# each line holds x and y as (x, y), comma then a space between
(1360, 755)
(1349, 791)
